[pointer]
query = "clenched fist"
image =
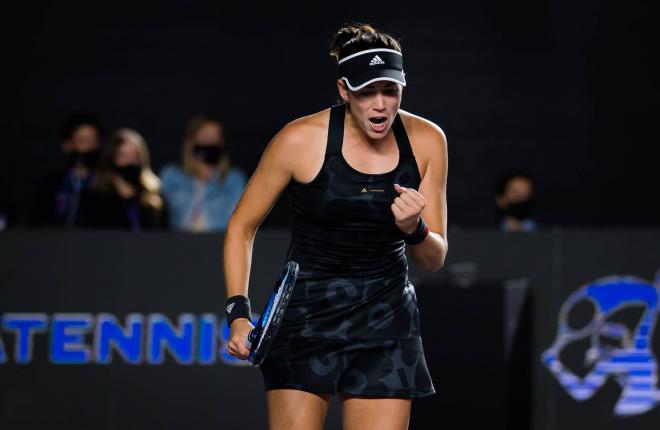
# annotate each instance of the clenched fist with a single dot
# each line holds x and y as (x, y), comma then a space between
(407, 208)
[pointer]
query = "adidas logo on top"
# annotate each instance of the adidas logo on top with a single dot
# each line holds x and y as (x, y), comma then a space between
(376, 60)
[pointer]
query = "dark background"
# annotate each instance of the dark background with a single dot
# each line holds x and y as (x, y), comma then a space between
(565, 89)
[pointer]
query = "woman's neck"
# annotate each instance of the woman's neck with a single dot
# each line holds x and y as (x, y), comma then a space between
(204, 172)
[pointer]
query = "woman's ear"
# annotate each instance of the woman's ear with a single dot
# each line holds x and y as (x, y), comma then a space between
(343, 91)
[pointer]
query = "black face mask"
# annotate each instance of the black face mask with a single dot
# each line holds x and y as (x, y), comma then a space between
(87, 159)
(130, 173)
(209, 154)
(520, 210)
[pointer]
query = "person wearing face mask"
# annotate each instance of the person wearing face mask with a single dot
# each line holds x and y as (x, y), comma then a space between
(514, 197)
(126, 194)
(59, 194)
(202, 193)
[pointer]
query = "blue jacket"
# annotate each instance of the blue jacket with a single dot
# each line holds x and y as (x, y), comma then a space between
(188, 198)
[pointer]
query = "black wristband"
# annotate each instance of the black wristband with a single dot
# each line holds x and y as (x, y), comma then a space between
(237, 307)
(419, 234)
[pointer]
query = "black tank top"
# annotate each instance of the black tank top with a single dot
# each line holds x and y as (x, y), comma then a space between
(353, 276)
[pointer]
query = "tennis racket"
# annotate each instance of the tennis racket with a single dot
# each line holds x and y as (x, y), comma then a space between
(262, 335)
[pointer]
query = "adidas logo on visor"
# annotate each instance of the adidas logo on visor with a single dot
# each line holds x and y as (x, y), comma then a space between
(376, 60)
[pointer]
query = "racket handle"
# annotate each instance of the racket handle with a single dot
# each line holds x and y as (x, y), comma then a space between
(250, 338)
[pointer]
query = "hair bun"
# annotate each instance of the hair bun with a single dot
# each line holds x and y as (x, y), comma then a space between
(347, 33)
(357, 36)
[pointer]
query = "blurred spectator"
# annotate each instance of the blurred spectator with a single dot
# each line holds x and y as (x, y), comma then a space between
(514, 197)
(203, 192)
(58, 196)
(126, 193)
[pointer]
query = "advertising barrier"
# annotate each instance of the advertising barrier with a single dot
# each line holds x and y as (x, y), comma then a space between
(114, 330)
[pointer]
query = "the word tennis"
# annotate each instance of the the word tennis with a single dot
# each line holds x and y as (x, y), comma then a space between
(84, 338)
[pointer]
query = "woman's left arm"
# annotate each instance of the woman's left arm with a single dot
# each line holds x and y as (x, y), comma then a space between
(429, 202)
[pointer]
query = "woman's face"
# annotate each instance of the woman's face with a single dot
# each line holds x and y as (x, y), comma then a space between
(374, 107)
(127, 155)
(518, 189)
(85, 138)
(209, 135)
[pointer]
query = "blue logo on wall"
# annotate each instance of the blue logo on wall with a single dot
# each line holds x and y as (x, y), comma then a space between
(630, 362)
(139, 340)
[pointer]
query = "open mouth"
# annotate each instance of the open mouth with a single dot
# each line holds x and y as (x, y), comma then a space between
(378, 123)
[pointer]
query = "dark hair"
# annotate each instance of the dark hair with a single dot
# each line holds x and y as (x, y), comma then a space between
(503, 180)
(78, 119)
(352, 38)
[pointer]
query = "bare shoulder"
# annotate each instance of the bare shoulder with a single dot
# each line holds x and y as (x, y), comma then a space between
(427, 140)
(301, 133)
(425, 136)
(299, 147)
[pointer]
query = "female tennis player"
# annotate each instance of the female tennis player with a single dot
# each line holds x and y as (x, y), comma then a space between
(366, 179)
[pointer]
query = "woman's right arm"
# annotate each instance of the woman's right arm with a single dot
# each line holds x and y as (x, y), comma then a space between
(269, 180)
